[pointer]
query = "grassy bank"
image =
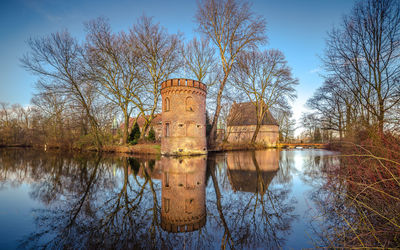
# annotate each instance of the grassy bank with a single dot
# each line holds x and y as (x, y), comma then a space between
(145, 149)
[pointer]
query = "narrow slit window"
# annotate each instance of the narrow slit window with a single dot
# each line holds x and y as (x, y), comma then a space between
(189, 205)
(166, 179)
(166, 205)
(166, 132)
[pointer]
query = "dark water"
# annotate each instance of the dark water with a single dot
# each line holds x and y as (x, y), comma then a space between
(261, 199)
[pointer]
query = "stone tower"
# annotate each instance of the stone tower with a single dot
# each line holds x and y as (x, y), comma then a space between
(183, 204)
(183, 117)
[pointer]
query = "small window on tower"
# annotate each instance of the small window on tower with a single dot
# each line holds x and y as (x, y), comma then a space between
(189, 205)
(166, 130)
(189, 104)
(166, 179)
(167, 104)
(166, 205)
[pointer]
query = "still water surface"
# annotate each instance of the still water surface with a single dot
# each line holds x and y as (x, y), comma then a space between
(261, 199)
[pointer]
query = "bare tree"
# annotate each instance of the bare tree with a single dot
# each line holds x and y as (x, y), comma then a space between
(58, 59)
(160, 56)
(232, 28)
(364, 54)
(311, 123)
(199, 59)
(287, 125)
(114, 63)
(266, 80)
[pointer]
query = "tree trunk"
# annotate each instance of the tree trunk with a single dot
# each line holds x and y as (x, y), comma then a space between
(145, 128)
(381, 117)
(126, 128)
(253, 139)
(213, 133)
(340, 127)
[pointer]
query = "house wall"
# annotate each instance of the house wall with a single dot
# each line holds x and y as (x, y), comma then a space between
(183, 117)
(268, 134)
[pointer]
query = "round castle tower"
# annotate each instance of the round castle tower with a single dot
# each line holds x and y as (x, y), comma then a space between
(183, 204)
(183, 117)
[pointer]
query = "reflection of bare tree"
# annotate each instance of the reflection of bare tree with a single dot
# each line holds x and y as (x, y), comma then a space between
(93, 201)
(261, 219)
(111, 202)
(286, 168)
(226, 238)
(97, 205)
(315, 165)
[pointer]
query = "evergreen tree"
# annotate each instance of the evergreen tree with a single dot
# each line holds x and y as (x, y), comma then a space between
(152, 135)
(134, 135)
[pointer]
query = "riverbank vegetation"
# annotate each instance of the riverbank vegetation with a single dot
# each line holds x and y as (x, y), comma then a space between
(359, 199)
(358, 105)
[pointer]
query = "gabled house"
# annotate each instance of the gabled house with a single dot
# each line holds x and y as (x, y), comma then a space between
(241, 124)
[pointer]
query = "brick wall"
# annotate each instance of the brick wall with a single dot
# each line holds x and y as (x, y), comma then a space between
(183, 117)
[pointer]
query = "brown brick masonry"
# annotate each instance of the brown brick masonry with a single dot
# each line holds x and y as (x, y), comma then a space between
(183, 117)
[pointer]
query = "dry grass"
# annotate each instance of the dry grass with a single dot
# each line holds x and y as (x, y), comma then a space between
(143, 148)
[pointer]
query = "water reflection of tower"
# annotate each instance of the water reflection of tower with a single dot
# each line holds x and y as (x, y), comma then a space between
(183, 207)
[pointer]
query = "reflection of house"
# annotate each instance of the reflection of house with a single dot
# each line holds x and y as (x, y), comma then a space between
(242, 121)
(183, 205)
(156, 123)
(252, 171)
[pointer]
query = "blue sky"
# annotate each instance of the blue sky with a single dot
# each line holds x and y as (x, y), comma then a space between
(298, 28)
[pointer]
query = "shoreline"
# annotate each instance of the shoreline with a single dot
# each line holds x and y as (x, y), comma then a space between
(138, 149)
(155, 148)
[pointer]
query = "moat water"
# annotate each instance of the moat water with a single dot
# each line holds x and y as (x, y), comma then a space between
(264, 199)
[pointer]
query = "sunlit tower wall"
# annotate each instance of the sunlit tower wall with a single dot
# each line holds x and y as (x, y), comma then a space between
(183, 194)
(183, 117)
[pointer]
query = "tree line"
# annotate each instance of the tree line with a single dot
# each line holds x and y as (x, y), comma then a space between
(361, 90)
(83, 86)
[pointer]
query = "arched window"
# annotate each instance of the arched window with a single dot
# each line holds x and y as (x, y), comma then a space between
(167, 104)
(189, 104)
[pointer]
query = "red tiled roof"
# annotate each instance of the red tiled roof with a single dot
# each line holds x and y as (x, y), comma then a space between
(141, 120)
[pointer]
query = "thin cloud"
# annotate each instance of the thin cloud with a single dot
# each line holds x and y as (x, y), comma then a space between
(316, 70)
(41, 10)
